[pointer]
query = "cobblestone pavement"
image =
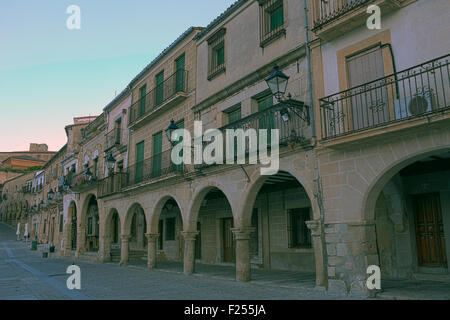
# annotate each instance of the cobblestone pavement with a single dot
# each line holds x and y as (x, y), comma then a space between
(24, 274)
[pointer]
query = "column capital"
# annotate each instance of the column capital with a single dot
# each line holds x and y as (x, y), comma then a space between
(125, 237)
(189, 235)
(243, 233)
(315, 227)
(152, 236)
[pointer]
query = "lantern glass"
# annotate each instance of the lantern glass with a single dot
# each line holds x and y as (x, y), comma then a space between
(277, 82)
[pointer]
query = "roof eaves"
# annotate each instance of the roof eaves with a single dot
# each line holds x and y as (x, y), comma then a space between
(236, 5)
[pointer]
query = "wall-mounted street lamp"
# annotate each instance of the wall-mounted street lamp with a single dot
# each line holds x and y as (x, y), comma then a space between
(277, 82)
(170, 129)
(111, 162)
(50, 195)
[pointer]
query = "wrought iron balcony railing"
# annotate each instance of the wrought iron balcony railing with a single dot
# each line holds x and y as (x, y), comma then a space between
(414, 92)
(290, 117)
(114, 138)
(329, 10)
(153, 168)
(176, 83)
(112, 184)
(83, 180)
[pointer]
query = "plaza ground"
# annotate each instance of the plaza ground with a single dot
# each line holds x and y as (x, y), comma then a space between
(25, 275)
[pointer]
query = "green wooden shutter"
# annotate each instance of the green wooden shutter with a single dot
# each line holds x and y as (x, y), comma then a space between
(139, 161)
(160, 87)
(180, 65)
(143, 92)
(220, 55)
(234, 115)
(157, 154)
(267, 120)
(277, 17)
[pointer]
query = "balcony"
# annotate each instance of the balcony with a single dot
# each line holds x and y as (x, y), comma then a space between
(82, 181)
(151, 169)
(413, 94)
(111, 184)
(114, 139)
(333, 18)
(172, 91)
(292, 123)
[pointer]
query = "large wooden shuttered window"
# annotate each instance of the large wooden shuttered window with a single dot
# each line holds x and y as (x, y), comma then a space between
(372, 108)
(180, 67)
(157, 154)
(139, 162)
(159, 88)
(143, 92)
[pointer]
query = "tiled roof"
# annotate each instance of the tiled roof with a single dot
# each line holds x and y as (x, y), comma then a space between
(220, 18)
(150, 65)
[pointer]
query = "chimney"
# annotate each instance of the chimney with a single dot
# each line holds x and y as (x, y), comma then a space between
(38, 147)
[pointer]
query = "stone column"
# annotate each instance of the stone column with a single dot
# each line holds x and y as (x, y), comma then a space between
(189, 251)
(105, 248)
(317, 241)
(124, 249)
(151, 247)
(242, 236)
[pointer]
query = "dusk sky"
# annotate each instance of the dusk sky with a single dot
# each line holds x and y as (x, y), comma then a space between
(50, 74)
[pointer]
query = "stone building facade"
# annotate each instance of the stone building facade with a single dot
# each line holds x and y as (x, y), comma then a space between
(364, 155)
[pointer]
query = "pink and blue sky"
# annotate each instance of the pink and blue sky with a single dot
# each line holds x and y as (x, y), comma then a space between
(50, 74)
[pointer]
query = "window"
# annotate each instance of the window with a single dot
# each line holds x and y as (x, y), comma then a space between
(234, 114)
(61, 223)
(299, 234)
(118, 131)
(159, 88)
(142, 93)
(170, 229)
(89, 226)
(272, 20)
(45, 226)
(216, 47)
(160, 231)
(157, 155)
(179, 78)
(139, 162)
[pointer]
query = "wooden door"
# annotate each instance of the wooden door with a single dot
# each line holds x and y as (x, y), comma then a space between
(431, 251)
(179, 78)
(159, 88)
(139, 162)
(229, 247)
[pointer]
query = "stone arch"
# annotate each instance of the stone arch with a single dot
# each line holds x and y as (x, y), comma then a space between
(199, 195)
(258, 180)
(126, 223)
(371, 195)
(157, 210)
(112, 214)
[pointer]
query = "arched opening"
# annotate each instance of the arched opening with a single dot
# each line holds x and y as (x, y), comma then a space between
(411, 207)
(113, 230)
(170, 243)
(215, 243)
(277, 208)
(92, 226)
(72, 226)
(136, 228)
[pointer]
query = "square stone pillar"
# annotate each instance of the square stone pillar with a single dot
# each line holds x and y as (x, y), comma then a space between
(124, 249)
(242, 236)
(151, 249)
(189, 251)
(105, 248)
(315, 227)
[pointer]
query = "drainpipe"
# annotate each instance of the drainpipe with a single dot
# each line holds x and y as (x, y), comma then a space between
(308, 58)
(129, 130)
